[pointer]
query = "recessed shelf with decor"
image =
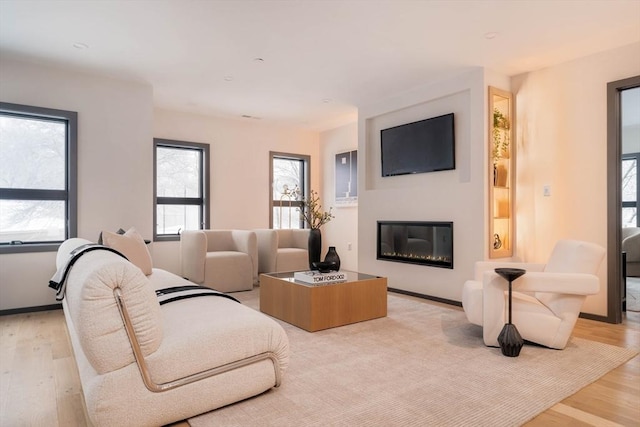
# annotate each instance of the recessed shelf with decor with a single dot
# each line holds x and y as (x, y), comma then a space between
(501, 170)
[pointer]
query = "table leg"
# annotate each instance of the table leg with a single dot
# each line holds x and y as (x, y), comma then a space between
(509, 339)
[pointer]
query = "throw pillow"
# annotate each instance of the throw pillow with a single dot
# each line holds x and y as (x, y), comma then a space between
(130, 244)
(120, 231)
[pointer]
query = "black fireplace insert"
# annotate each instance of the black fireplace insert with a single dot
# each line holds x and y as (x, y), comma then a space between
(416, 242)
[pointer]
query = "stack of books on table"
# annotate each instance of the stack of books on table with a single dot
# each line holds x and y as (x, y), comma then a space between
(317, 278)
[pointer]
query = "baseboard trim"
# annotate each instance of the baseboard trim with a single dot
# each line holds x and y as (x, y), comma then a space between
(23, 310)
(595, 317)
(423, 296)
(459, 304)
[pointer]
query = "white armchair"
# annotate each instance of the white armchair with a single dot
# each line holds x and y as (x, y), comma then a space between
(282, 250)
(546, 301)
(225, 260)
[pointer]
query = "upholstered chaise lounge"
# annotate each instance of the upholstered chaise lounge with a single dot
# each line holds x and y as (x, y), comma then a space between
(146, 364)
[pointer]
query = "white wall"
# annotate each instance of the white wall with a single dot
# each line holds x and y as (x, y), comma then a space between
(562, 142)
(561, 137)
(458, 195)
(239, 151)
(114, 163)
(116, 127)
(342, 231)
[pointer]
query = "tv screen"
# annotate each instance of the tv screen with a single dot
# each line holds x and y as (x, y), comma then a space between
(424, 146)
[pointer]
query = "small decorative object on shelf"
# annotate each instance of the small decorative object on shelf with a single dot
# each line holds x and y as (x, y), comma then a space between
(500, 178)
(501, 135)
(509, 339)
(497, 243)
(332, 256)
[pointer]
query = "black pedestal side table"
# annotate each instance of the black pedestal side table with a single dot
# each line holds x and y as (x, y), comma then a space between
(509, 339)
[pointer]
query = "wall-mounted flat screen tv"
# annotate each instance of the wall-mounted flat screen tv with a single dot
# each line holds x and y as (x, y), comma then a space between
(424, 146)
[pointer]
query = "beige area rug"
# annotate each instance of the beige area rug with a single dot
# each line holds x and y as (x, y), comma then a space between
(423, 365)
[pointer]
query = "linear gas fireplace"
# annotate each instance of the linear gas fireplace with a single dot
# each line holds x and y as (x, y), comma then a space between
(422, 242)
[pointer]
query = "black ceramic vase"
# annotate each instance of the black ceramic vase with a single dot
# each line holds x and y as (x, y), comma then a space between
(332, 256)
(315, 246)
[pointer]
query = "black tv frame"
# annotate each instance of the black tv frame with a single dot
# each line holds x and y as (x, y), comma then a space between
(426, 145)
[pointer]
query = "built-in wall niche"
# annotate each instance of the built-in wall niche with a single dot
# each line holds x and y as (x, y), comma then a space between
(370, 154)
(416, 242)
(501, 173)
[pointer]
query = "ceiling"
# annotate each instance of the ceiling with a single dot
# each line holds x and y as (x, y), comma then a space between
(306, 63)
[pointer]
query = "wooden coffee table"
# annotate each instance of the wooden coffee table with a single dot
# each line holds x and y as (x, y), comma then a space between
(316, 307)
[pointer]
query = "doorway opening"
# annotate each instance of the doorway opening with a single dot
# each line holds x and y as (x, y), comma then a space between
(623, 139)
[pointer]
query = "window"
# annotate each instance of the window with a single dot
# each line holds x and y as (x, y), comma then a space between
(630, 190)
(38, 178)
(289, 184)
(630, 144)
(181, 188)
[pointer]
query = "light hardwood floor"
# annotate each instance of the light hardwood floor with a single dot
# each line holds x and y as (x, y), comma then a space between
(40, 384)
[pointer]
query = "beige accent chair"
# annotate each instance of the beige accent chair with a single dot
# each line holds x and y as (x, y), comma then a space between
(282, 250)
(631, 245)
(546, 300)
(225, 260)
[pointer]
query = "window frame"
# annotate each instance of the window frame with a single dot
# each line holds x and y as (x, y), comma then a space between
(306, 179)
(636, 204)
(69, 195)
(202, 201)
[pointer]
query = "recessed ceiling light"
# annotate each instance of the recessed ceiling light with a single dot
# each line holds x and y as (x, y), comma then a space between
(326, 100)
(228, 78)
(491, 35)
(260, 60)
(80, 46)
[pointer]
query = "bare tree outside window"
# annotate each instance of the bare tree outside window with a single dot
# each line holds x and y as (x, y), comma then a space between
(36, 203)
(288, 186)
(630, 141)
(629, 192)
(181, 187)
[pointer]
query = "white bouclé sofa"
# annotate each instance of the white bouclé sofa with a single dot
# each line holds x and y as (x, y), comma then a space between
(146, 364)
